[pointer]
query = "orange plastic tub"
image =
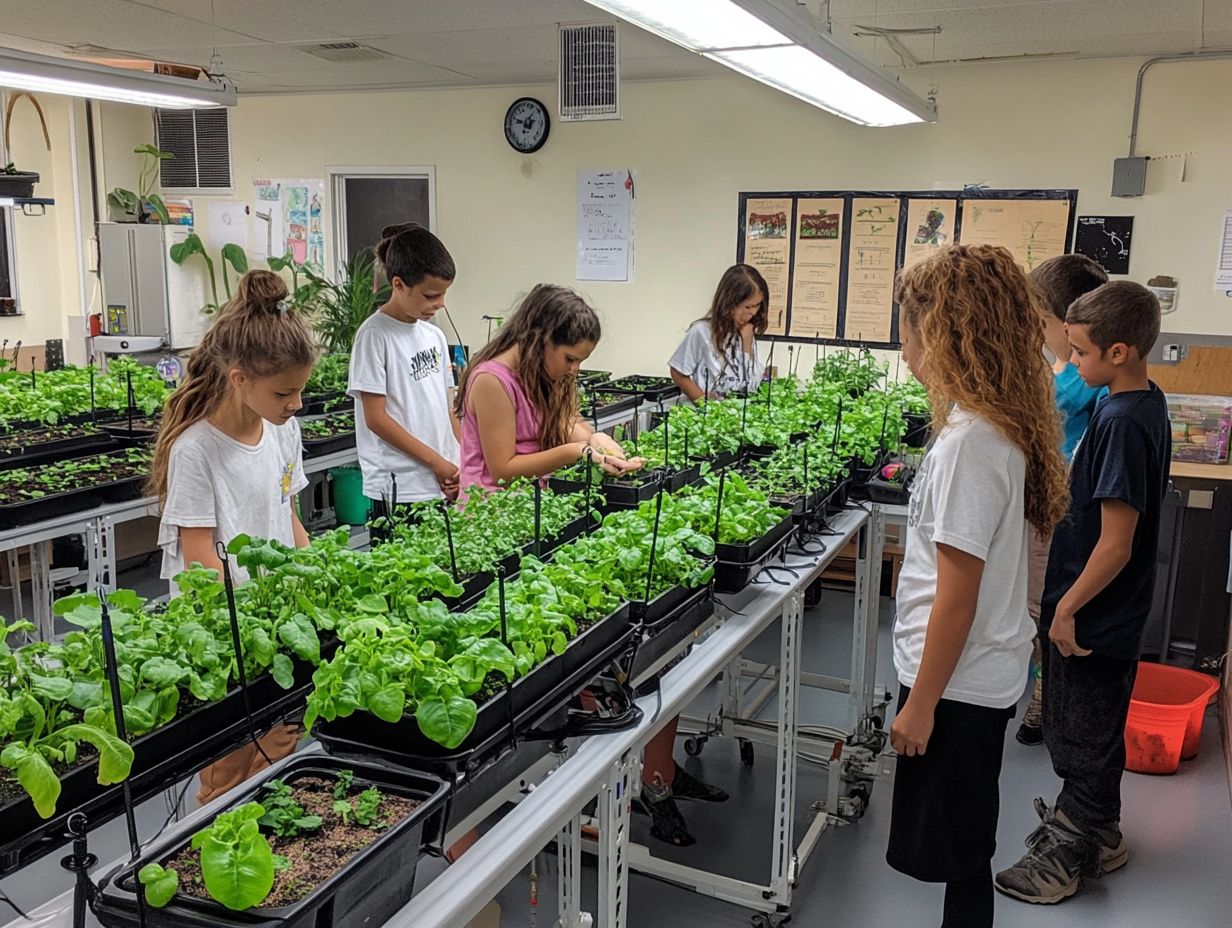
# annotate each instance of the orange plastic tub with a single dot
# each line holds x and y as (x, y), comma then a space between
(1165, 717)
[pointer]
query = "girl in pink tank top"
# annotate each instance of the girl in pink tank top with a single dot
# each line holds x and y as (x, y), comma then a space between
(518, 401)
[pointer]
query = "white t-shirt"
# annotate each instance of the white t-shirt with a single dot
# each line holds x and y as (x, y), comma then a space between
(214, 481)
(969, 494)
(407, 363)
(735, 370)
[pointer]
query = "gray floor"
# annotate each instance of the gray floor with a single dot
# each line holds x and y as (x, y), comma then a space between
(1180, 829)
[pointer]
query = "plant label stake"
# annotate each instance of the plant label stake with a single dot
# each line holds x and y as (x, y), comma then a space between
(654, 538)
(718, 506)
(237, 645)
(117, 708)
(504, 625)
(453, 558)
(538, 519)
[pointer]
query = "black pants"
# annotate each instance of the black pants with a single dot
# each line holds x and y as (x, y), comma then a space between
(385, 516)
(1086, 701)
(943, 827)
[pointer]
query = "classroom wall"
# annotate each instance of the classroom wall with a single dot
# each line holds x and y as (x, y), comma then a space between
(509, 219)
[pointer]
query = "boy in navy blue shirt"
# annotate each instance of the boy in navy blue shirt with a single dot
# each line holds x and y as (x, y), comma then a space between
(1097, 594)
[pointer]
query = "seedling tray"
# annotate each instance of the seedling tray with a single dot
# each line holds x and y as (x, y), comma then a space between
(750, 552)
(720, 460)
(617, 494)
(163, 756)
(652, 389)
(53, 506)
(609, 404)
(673, 628)
(367, 891)
(529, 698)
(317, 447)
(48, 452)
(592, 378)
(324, 403)
(887, 492)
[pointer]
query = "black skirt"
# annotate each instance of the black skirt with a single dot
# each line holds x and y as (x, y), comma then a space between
(946, 801)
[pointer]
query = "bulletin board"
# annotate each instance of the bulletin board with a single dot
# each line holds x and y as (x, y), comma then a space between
(830, 258)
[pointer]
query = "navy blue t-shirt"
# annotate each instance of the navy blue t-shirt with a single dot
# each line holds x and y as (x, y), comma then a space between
(1124, 455)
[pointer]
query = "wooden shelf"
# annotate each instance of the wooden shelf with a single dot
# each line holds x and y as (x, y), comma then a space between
(1202, 471)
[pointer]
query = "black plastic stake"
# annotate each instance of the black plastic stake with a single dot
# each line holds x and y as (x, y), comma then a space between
(806, 480)
(240, 673)
(453, 557)
(117, 708)
(504, 625)
(686, 446)
(718, 506)
(667, 445)
(654, 539)
(538, 519)
(706, 394)
(590, 479)
(392, 512)
(33, 382)
(838, 425)
(92, 403)
(744, 417)
(791, 360)
(129, 376)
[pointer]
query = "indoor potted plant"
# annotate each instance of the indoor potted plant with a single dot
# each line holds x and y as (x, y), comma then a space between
(126, 206)
(15, 183)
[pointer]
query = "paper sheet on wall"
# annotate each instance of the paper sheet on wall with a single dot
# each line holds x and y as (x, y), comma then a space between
(930, 227)
(228, 225)
(768, 248)
(819, 259)
(870, 270)
(605, 225)
(1223, 273)
(288, 219)
(1033, 230)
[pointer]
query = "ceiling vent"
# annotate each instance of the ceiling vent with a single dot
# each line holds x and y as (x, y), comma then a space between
(589, 73)
(201, 143)
(345, 52)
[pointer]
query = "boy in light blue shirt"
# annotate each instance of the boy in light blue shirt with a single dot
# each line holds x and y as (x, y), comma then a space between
(1058, 282)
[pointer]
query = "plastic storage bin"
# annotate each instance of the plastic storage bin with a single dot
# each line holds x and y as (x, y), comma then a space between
(1200, 427)
(350, 504)
(1165, 717)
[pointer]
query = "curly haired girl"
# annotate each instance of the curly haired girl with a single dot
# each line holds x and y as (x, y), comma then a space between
(962, 637)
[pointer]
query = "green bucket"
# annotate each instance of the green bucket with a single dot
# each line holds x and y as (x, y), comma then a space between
(350, 504)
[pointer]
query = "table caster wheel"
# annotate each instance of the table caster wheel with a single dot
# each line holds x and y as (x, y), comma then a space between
(746, 753)
(693, 746)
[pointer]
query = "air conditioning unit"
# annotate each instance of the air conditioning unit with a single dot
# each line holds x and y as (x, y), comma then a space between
(588, 78)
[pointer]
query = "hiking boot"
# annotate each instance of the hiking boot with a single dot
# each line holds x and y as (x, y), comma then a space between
(1057, 856)
(1113, 850)
(687, 786)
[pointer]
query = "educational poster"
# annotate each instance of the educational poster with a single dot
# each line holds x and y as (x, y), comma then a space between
(930, 227)
(1033, 230)
(605, 225)
(819, 259)
(228, 225)
(288, 219)
(1105, 239)
(768, 248)
(1223, 269)
(870, 270)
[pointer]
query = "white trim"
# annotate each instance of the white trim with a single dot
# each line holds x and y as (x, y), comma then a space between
(336, 174)
(82, 293)
(10, 226)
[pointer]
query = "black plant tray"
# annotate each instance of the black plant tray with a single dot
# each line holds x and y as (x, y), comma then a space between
(750, 552)
(732, 578)
(322, 404)
(58, 449)
(317, 447)
(887, 492)
(28, 512)
(529, 698)
(919, 428)
(19, 185)
(685, 616)
(720, 460)
(609, 404)
(591, 378)
(652, 389)
(616, 493)
(567, 534)
(162, 757)
(367, 891)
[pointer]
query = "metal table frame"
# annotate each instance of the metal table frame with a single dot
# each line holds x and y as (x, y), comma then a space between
(98, 526)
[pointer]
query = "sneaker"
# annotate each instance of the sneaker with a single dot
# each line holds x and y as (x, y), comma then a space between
(1057, 856)
(1113, 850)
(666, 822)
(1030, 735)
(687, 786)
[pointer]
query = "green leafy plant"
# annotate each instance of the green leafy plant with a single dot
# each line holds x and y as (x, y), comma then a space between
(233, 256)
(303, 295)
(123, 202)
(342, 785)
(237, 863)
(368, 808)
(160, 884)
(342, 307)
(283, 815)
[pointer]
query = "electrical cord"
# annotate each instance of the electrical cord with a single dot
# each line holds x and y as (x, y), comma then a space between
(12, 905)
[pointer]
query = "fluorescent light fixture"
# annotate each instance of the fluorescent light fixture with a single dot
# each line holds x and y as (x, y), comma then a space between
(801, 73)
(772, 43)
(44, 74)
(696, 24)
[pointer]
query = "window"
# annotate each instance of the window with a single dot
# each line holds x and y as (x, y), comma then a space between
(367, 200)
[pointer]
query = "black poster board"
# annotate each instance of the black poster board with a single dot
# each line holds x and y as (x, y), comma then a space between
(1033, 224)
(1105, 239)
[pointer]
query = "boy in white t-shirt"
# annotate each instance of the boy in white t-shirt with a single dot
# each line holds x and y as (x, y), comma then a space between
(406, 435)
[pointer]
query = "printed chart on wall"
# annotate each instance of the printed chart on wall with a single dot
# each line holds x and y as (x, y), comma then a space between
(768, 248)
(1033, 230)
(871, 263)
(818, 267)
(287, 219)
(605, 225)
(930, 227)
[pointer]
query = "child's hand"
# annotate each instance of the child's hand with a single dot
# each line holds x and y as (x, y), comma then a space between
(446, 473)
(911, 730)
(1064, 635)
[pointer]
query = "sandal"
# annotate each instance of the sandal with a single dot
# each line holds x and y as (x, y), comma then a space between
(666, 822)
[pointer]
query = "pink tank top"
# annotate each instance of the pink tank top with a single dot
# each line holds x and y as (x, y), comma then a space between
(473, 468)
